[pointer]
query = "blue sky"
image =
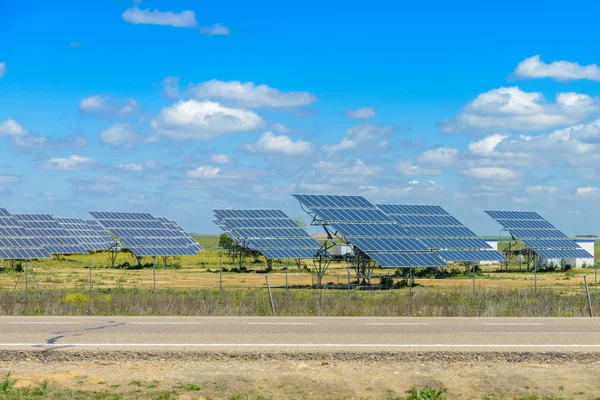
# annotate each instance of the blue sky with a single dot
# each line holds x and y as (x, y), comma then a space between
(180, 107)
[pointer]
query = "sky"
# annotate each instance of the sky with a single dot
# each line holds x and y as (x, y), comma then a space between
(180, 107)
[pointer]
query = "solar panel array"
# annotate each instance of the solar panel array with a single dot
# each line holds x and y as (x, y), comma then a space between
(370, 230)
(49, 234)
(270, 232)
(538, 234)
(90, 234)
(441, 232)
(15, 242)
(147, 236)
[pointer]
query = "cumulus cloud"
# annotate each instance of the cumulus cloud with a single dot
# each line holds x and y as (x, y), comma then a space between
(540, 189)
(249, 95)
(491, 173)
(194, 120)
(411, 169)
(534, 68)
(3, 69)
(118, 135)
(8, 180)
(588, 191)
(204, 172)
(10, 127)
(269, 143)
(71, 163)
(171, 87)
(442, 156)
(99, 104)
(368, 136)
(365, 112)
(510, 108)
(183, 19)
(48, 143)
(139, 167)
(221, 159)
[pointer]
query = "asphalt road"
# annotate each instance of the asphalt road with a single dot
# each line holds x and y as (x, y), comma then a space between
(300, 334)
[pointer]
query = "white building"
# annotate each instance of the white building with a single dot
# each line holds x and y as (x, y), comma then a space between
(493, 243)
(587, 245)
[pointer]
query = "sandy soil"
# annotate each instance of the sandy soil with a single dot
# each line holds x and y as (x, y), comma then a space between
(318, 376)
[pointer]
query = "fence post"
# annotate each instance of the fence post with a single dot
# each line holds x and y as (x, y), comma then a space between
(587, 291)
(534, 277)
(270, 295)
(220, 277)
(90, 279)
(348, 264)
(154, 272)
(595, 280)
(473, 271)
(410, 279)
(286, 275)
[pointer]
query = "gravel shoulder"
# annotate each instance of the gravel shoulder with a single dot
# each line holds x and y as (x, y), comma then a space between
(279, 375)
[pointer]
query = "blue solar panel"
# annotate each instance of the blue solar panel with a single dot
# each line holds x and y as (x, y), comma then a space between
(513, 215)
(403, 260)
(440, 231)
(333, 201)
(350, 215)
(288, 253)
(525, 224)
(538, 234)
(388, 244)
(425, 220)
(551, 244)
(455, 243)
(16, 242)
(370, 230)
(470, 255)
(563, 253)
(411, 209)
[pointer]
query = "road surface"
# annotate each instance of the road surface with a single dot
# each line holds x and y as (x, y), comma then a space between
(300, 334)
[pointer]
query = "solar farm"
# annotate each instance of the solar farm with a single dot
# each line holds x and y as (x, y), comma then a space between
(386, 246)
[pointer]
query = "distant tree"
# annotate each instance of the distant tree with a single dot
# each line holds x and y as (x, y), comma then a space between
(229, 245)
(300, 222)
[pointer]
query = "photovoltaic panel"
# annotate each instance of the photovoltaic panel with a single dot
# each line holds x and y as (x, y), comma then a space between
(441, 232)
(538, 234)
(270, 232)
(368, 229)
(49, 234)
(147, 236)
(90, 234)
(15, 241)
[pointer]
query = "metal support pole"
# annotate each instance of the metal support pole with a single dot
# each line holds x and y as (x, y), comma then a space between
(534, 277)
(154, 273)
(348, 264)
(26, 279)
(220, 277)
(587, 291)
(410, 278)
(473, 271)
(270, 295)
(595, 281)
(90, 280)
(286, 276)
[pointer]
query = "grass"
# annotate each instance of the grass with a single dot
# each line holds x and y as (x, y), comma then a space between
(426, 303)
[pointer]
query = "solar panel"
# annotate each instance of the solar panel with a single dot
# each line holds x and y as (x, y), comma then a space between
(147, 236)
(90, 234)
(538, 234)
(15, 242)
(441, 232)
(49, 234)
(371, 231)
(270, 232)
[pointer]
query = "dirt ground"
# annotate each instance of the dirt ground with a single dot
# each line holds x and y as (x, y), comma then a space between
(317, 376)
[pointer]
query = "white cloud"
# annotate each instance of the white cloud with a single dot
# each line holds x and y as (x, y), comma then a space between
(221, 159)
(270, 143)
(249, 95)
(9, 180)
(533, 68)
(139, 167)
(71, 163)
(118, 135)
(365, 112)
(408, 168)
(486, 146)
(106, 184)
(204, 172)
(280, 128)
(367, 136)
(519, 200)
(98, 104)
(491, 173)
(588, 191)
(3, 69)
(540, 189)
(361, 169)
(10, 127)
(193, 120)
(44, 142)
(442, 156)
(183, 19)
(510, 108)
(171, 87)
(413, 182)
